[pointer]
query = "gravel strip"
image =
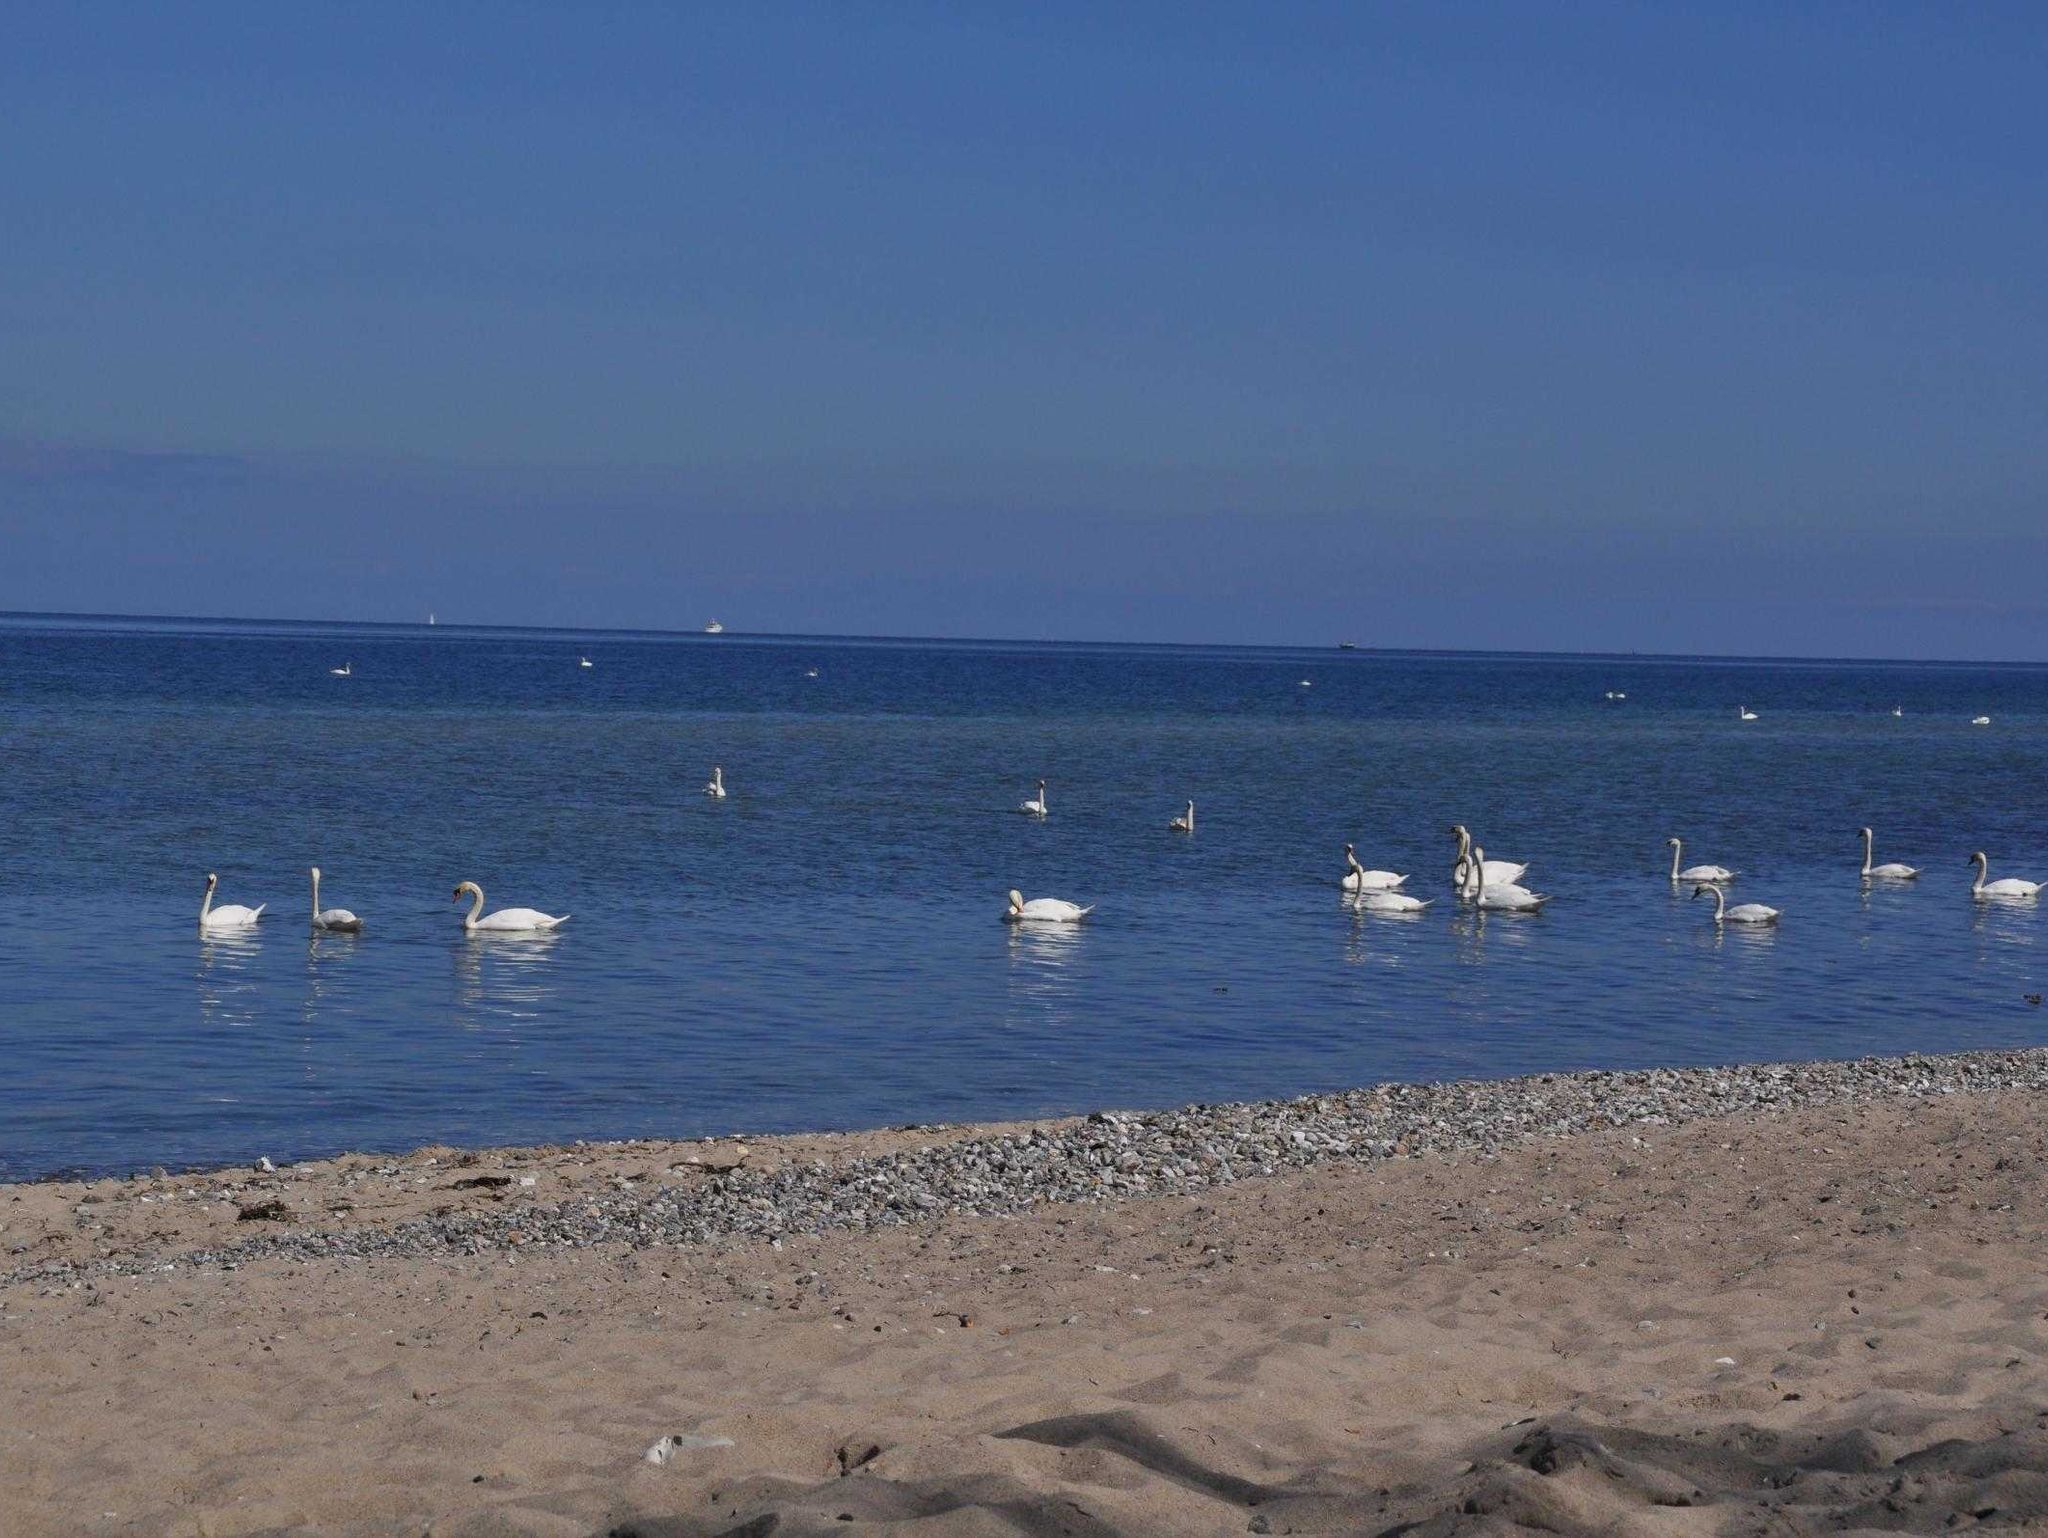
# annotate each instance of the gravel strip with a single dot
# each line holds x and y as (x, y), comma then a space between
(1113, 1156)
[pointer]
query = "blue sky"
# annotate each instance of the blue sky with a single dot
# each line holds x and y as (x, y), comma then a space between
(1607, 327)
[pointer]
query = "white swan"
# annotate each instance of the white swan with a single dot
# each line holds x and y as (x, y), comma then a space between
(1741, 913)
(1388, 902)
(346, 670)
(1358, 879)
(1697, 872)
(1891, 872)
(1502, 896)
(2009, 886)
(1744, 713)
(1185, 823)
(1037, 807)
(1980, 721)
(583, 662)
(716, 786)
(505, 920)
(227, 915)
(1898, 710)
(331, 918)
(1497, 872)
(1044, 910)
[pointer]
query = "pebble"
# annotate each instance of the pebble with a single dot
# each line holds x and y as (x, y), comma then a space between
(1113, 1155)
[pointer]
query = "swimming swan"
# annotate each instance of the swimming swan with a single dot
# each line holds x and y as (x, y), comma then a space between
(505, 920)
(1037, 807)
(1744, 713)
(1501, 896)
(1184, 823)
(2009, 886)
(227, 915)
(1358, 879)
(1502, 872)
(1388, 902)
(331, 918)
(1892, 872)
(1044, 910)
(1741, 913)
(716, 787)
(1698, 872)
(583, 662)
(346, 670)
(1980, 721)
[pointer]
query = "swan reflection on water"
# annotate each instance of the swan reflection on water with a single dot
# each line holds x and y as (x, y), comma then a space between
(226, 975)
(509, 975)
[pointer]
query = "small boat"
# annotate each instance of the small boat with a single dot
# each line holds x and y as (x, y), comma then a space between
(1347, 646)
(714, 628)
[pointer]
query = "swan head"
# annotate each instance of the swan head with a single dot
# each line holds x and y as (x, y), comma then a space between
(467, 887)
(315, 872)
(1349, 850)
(212, 881)
(1016, 901)
(1975, 859)
(1673, 843)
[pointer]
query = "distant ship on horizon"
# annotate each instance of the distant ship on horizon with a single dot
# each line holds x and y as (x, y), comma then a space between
(714, 628)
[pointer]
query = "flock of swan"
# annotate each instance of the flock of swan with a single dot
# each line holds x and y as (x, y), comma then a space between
(526, 921)
(1488, 885)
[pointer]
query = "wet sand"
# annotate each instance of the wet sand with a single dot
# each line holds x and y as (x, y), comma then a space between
(1810, 1320)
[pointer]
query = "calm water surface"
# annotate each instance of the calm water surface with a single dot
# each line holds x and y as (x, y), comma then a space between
(824, 948)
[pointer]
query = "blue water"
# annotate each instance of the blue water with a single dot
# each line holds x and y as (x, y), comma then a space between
(824, 948)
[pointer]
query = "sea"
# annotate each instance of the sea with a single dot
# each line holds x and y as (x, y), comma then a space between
(825, 947)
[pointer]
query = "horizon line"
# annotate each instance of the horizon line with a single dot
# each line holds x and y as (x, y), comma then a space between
(1355, 648)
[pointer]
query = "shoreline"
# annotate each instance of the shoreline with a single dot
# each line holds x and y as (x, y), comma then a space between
(1810, 1302)
(639, 1193)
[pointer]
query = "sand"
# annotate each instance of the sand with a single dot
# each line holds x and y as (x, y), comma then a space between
(1821, 1320)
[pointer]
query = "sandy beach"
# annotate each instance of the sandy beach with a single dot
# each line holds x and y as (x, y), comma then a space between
(1819, 1314)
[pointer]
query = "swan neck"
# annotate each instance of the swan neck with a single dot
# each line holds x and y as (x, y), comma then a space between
(476, 906)
(1677, 849)
(316, 894)
(206, 903)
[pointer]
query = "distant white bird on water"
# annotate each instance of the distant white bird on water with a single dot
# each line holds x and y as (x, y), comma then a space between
(1697, 873)
(505, 920)
(346, 670)
(1358, 879)
(331, 918)
(715, 787)
(1898, 710)
(1744, 713)
(1741, 913)
(227, 915)
(1044, 910)
(1891, 872)
(1981, 721)
(1501, 896)
(583, 662)
(1185, 823)
(1497, 872)
(2009, 886)
(1388, 902)
(1035, 807)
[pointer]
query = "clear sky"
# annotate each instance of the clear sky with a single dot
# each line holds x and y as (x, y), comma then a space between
(1679, 328)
